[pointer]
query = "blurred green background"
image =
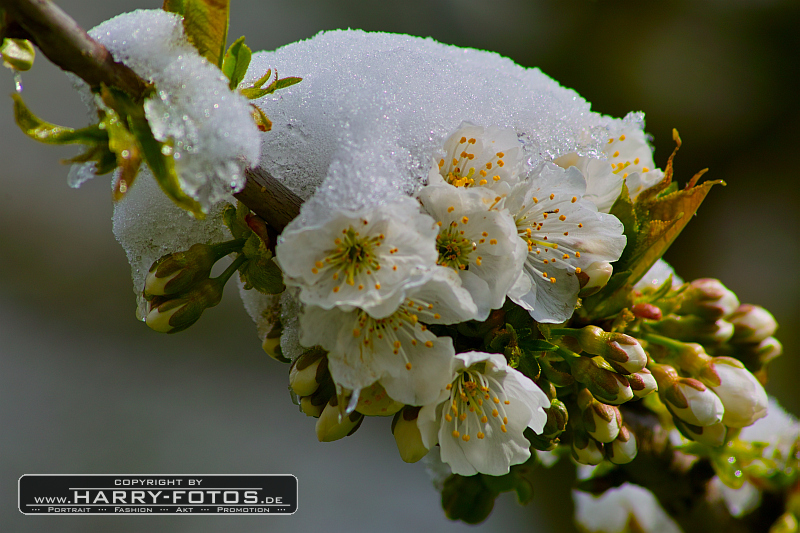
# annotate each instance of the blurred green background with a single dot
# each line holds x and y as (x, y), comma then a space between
(85, 388)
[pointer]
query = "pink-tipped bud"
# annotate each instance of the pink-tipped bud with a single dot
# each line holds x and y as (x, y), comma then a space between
(687, 398)
(752, 323)
(743, 397)
(602, 422)
(623, 449)
(708, 299)
(585, 449)
(594, 277)
(642, 383)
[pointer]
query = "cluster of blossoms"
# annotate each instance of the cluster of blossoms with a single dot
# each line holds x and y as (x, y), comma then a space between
(494, 286)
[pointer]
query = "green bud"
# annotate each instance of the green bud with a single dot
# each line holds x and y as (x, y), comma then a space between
(177, 272)
(694, 329)
(407, 435)
(308, 406)
(272, 342)
(623, 449)
(708, 299)
(18, 54)
(330, 427)
(605, 385)
(557, 419)
(308, 371)
(622, 349)
(177, 314)
(467, 498)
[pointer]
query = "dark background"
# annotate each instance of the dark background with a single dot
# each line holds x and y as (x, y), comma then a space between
(85, 388)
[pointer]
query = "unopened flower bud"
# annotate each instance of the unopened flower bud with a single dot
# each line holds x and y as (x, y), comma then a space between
(557, 418)
(713, 435)
(694, 329)
(176, 272)
(752, 323)
(602, 422)
(407, 435)
(585, 449)
(642, 383)
(177, 314)
(687, 398)
(310, 408)
(330, 428)
(272, 342)
(708, 299)
(623, 449)
(594, 277)
(605, 385)
(306, 372)
(743, 397)
(646, 311)
(622, 349)
(373, 401)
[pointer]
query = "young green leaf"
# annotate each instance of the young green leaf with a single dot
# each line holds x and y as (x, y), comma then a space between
(235, 62)
(206, 25)
(42, 131)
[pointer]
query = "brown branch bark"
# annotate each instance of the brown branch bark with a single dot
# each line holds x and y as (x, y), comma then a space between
(69, 47)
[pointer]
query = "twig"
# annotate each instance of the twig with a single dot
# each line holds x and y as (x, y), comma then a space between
(69, 47)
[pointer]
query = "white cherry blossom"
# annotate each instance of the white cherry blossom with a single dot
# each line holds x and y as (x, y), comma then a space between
(479, 157)
(629, 159)
(398, 350)
(476, 239)
(479, 418)
(564, 234)
(367, 259)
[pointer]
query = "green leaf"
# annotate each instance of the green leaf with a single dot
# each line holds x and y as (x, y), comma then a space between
(42, 131)
(256, 91)
(105, 160)
(236, 61)
(537, 345)
(18, 54)
(206, 25)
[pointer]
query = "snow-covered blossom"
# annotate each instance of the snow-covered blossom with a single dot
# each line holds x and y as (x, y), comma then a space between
(366, 259)
(629, 159)
(398, 350)
(210, 127)
(564, 234)
(480, 415)
(477, 240)
(479, 157)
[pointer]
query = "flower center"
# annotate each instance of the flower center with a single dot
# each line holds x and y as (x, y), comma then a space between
(453, 248)
(352, 255)
(466, 410)
(399, 332)
(460, 170)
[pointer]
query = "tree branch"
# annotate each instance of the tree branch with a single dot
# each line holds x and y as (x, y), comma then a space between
(69, 47)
